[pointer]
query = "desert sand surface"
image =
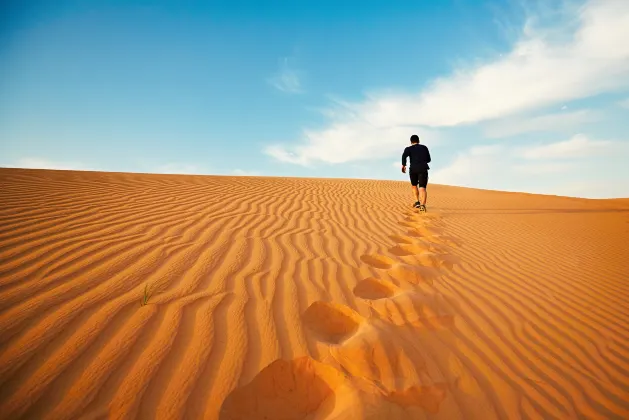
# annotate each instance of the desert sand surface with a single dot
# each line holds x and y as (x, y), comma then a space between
(287, 298)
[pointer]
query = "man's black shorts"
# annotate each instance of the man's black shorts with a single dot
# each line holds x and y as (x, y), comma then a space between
(419, 178)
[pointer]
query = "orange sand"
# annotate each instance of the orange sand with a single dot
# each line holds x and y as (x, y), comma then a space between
(309, 299)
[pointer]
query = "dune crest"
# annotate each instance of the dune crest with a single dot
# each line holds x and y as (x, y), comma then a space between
(172, 296)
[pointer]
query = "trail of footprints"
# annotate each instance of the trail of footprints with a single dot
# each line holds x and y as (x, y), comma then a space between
(375, 365)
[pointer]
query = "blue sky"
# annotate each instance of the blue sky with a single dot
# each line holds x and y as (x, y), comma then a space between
(510, 95)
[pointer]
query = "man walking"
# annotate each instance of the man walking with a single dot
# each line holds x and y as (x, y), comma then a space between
(418, 172)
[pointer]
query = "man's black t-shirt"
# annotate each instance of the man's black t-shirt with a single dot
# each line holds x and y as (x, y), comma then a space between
(420, 156)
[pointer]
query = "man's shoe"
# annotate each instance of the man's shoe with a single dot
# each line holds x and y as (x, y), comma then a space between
(417, 205)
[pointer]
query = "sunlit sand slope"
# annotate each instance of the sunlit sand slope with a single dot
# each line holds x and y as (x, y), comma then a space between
(277, 298)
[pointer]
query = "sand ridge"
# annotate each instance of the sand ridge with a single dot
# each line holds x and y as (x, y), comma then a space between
(297, 298)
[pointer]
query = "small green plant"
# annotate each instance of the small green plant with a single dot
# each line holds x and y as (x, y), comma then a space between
(147, 295)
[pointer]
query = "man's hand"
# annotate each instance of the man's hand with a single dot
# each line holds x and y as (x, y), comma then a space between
(403, 169)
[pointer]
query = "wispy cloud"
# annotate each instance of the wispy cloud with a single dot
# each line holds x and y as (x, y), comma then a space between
(349, 140)
(541, 168)
(548, 65)
(608, 188)
(543, 68)
(624, 103)
(280, 153)
(287, 79)
(538, 168)
(576, 147)
(508, 127)
(473, 166)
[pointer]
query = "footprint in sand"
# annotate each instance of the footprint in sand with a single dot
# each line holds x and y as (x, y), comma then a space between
(306, 389)
(432, 259)
(331, 322)
(400, 239)
(410, 273)
(427, 231)
(398, 307)
(427, 397)
(449, 261)
(415, 233)
(425, 311)
(424, 216)
(413, 274)
(426, 227)
(364, 354)
(378, 261)
(444, 239)
(369, 352)
(284, 389)
(403, 250)
(373, 289)
(407, 223)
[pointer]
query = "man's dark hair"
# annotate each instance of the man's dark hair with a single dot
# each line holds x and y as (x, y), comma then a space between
(414, 139)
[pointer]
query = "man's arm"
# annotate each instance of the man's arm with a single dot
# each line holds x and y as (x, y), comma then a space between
(428, 152)
(404, 156)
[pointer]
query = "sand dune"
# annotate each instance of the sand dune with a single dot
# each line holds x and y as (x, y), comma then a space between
(278, 298)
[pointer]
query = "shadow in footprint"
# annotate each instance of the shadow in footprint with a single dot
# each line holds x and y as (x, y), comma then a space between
(391, 357)
(418, 215)
(433, 311)
(431, 259)
(283, 390)
(377, 261)
(449, 261)
(427, 397)
(407, 223)
(331, 322)
(399, 239)
(427, 231)
(440, 239)
(404, 250)
(373, 289)
(414, 233)
(423, 311)
(434, 230)
(413, 274)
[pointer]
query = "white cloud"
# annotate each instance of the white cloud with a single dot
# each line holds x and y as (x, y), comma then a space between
(593, 189)
(624, 103)
(554, 168)
(562, 121)
(536, 168)
(287, 79)
(283, 155)
(539, 71)
(350, 139)
(586, 55)
(472, 167)
(578, 146)
(42, 163)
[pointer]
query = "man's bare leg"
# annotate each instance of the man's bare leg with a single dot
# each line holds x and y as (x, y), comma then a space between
(423, 195)
(416, 193)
